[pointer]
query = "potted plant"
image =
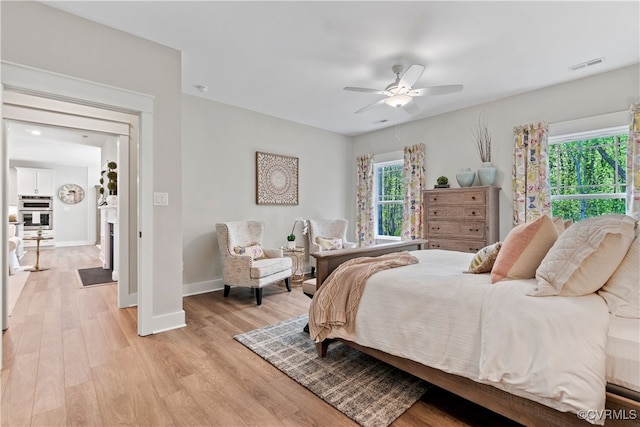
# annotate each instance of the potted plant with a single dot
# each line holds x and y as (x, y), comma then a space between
(443, 182)
(482, 139)
(112, 184)
(291, 238)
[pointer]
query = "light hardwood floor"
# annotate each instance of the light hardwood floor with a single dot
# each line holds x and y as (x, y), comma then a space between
(71, 357)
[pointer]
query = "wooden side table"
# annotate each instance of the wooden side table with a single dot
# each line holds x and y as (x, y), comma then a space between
(297, 259)
(36, 267)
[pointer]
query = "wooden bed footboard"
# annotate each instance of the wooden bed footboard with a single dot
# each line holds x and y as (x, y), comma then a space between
(622, 411)
(328, 261)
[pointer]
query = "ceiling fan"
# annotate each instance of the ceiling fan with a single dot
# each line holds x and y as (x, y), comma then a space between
(400, 93)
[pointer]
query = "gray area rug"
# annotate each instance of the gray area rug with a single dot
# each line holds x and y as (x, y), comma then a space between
(370, 392)
(94, 276)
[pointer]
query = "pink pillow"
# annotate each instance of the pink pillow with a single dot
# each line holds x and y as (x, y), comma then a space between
(524, 249)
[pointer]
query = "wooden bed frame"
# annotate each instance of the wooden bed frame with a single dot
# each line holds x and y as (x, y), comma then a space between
(519, 409)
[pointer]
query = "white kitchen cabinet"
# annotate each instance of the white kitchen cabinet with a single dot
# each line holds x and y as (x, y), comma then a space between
(35, 182)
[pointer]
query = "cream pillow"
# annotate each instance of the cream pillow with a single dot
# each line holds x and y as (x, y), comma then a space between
(585, 256)
(622, 290)
(484, 259)
(523, 249)
(329, 243)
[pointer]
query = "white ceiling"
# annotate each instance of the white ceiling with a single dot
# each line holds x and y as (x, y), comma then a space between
(54, 145)
(291, 59)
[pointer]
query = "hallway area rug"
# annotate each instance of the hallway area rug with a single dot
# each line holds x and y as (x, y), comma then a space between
(95, 276)
(370, 392)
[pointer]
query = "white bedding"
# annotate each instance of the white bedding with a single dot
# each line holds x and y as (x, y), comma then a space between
(462, 324)
(623, 353)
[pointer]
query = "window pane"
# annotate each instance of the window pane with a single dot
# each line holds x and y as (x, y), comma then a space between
(390, 219)
(390, 183)
(580, 209)
(588, 167)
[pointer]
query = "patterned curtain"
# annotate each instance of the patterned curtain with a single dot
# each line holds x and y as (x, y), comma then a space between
(531, 188)
(633, 164)
(414, 181)
(365, 226)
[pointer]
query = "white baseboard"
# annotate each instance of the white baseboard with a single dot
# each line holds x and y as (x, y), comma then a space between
(168, 322)
(77, 243)
(202, 287)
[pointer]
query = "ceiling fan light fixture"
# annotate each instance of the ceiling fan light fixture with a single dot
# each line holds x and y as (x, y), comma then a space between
(398, 100)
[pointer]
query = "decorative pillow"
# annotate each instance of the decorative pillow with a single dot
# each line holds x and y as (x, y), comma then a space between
(484, 259)
(523, 249)
(585, 256)
(559, 223)
(253, 249)
(329, 243)
(622, 290)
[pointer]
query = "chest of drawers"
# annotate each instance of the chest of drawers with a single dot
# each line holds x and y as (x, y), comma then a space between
(461, 219)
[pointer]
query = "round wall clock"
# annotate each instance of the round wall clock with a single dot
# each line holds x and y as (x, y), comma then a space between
(71, 194)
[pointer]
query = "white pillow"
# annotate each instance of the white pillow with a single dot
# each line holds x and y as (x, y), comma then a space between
(585, 256)
(622, 290)
(329, 243)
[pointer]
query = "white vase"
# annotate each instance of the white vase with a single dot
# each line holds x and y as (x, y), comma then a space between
(487, 173)
(291, 244)
(465, 177)
(112, 200)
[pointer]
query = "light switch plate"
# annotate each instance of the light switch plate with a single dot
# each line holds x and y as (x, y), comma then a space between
(161, 199)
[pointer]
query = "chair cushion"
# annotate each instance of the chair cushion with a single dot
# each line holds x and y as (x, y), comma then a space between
(268, 266)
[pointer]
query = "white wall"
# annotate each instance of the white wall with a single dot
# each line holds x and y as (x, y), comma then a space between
(218, 179)
(448, 137)
(41, 37)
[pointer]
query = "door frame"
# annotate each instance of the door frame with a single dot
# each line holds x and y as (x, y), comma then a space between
(90, 95)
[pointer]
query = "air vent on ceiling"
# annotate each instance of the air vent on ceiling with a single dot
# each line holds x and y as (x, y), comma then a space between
(586, 64)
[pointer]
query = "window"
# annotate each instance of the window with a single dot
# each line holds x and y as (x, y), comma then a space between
(389, 196)
(587, 172)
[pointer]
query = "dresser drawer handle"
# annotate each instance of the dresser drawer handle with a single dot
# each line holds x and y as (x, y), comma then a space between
(473, 212)
(474, 229)
(473, 197)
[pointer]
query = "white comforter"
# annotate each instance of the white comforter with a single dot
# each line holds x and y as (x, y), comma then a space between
(548, 349)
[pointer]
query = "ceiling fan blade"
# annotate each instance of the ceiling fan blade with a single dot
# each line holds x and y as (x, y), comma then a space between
(371, 105)
(412, 74)
(435, 90)
(365, 90)
(411, 107)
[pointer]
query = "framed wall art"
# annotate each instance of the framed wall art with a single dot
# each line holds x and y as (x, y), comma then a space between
(276, 179)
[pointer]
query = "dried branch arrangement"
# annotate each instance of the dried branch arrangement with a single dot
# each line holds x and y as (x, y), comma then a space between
(482, 139)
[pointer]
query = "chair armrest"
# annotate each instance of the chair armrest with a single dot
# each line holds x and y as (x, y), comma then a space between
(273, 253)
(314, 247)
(238, 261)
(348, 245)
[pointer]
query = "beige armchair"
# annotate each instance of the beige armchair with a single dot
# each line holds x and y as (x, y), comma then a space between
(327, 234)
(245, 262)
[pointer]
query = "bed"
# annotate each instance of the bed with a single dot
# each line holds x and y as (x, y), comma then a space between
(575, 361)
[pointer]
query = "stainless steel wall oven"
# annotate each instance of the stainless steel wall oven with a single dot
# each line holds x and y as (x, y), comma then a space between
(36, 212)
